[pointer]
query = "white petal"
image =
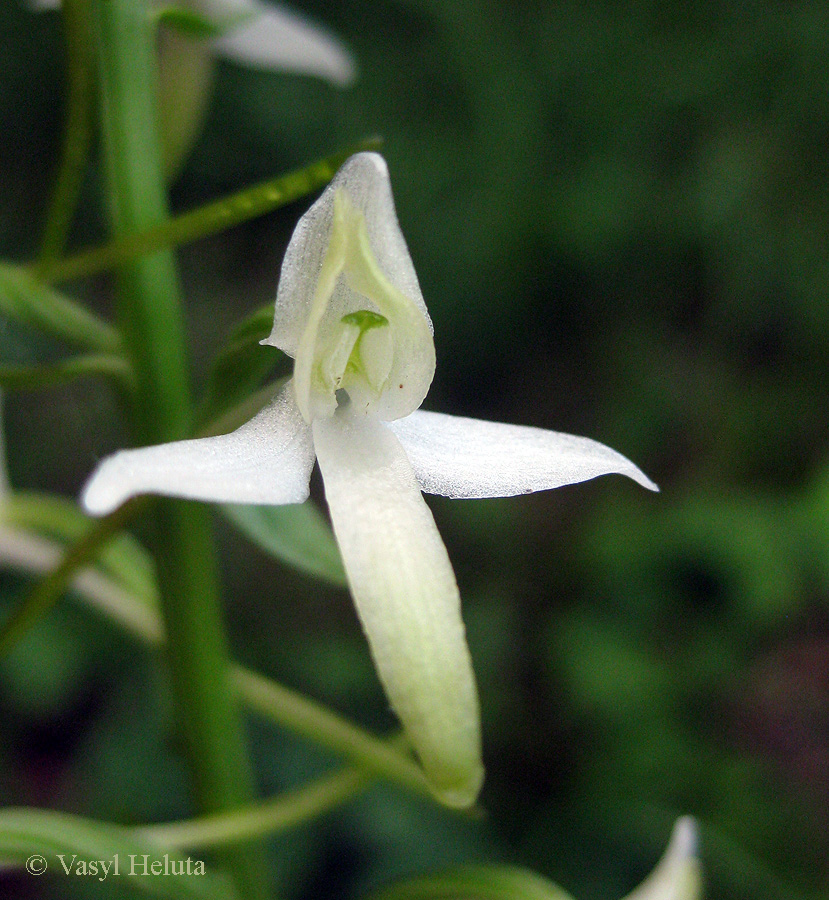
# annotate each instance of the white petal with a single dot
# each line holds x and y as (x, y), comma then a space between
(677, 875)
(268, 460)
(348, 255)
(279, 39)
(460, 457)
(406, 597)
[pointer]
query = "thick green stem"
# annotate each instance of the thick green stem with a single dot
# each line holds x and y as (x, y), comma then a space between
(149, 312)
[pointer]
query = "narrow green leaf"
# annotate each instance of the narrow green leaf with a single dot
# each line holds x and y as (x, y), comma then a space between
(47, 841)
(27, 300)
(49, 590)
(48, 375)
(211, 218)
(476, 883)
(323, 726)
(27, 551)
(195, 25)
(241, 365)
(78, 129)
(123, 558)
(297, 534)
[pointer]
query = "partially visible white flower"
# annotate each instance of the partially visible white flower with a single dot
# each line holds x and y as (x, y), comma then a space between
(259, 34)
(350, 311)
(678, 875)
(270, 36)
(276, 38)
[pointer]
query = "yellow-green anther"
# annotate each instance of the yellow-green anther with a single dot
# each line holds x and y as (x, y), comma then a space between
(364, 319)
(360, 351)
(371, 348)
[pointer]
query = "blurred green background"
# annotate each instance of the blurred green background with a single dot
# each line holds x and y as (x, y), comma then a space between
(619, 216)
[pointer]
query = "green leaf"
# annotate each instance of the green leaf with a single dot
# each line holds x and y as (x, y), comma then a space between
(27, 300)
(297, 534)
(122, 559)
(476, 883)
(240, 365)
(38, 838)
(48, 375)
(78, 129)
(212, 218)
(195, 25)
(61, 573)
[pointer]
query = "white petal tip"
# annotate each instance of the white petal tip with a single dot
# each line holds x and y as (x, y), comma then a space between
(104, 492)
(461, 794)
(678, 875)
(684, 841)
(623, 466)
(641, 478)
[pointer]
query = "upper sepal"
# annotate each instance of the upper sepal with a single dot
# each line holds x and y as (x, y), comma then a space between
(349, 307)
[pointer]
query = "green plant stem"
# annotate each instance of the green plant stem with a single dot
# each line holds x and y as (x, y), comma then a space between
(317, 723)
(149, 312)
(77, 132)
(264, 818)
(210, 218)
(48, 375)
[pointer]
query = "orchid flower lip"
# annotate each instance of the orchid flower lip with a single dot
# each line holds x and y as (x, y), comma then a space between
(349, 310)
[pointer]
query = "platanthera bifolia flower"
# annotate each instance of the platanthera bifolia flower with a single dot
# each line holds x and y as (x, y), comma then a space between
(350, 312)
(678, 875)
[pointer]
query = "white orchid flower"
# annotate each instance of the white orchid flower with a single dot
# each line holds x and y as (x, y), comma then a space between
(678, 875)
(350, 311)
(269, 36)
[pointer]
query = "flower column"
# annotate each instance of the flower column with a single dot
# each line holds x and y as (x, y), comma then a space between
(149, 314)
